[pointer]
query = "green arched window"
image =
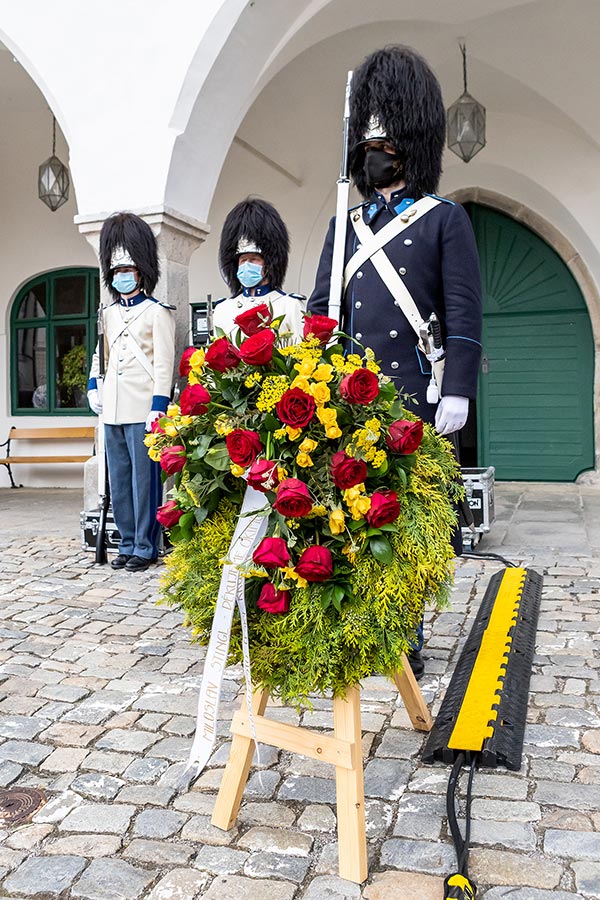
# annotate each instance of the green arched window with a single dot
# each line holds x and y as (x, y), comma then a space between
(52, 338)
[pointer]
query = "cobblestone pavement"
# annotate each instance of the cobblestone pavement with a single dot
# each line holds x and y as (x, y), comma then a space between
(98, 690)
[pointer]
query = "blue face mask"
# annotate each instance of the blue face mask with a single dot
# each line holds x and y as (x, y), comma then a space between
(124, 282)
(250, 274)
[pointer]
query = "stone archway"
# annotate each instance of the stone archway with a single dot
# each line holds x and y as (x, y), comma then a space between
(576, 265)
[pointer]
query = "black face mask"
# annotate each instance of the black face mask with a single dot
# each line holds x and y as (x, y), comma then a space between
(381, 168)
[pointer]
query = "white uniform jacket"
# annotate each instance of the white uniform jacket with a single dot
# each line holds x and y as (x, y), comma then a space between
(291, 306)
(139, 350)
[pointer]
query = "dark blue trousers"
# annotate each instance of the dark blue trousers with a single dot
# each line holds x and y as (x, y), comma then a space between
(135, 488)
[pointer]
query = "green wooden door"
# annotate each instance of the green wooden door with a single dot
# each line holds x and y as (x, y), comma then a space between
(535, 403)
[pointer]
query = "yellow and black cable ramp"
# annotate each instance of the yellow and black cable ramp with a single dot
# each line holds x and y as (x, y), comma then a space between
(482, 718)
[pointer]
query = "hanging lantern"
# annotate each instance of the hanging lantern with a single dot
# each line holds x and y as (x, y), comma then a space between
(53, 178)
(466, 121)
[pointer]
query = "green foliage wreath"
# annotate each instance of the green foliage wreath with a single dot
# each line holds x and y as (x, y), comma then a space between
(314, 649)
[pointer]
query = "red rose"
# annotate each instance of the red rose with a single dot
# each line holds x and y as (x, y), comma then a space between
(296, 408)
(346, 471)
(293, 499)
(184, 362)
(263, 475)
(194, 400)
(322, 327)
(360, 386)
(254, 320)
(222, 355)
(156, 428)
(404, 436)
(258, 349)
(315, 564)
(272, 552)
(172, 459)
(274, 601)
(243, 446)
(385, 508)
(169, 514)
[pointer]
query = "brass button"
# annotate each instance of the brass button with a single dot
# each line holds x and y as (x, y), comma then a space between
(404, 217)
(356, 217)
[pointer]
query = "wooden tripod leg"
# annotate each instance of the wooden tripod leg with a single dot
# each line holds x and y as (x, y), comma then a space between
(412, 697)
(235, 776)
(352, 838)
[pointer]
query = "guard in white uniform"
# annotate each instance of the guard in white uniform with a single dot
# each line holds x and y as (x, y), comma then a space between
(139, 347)
(253, 256)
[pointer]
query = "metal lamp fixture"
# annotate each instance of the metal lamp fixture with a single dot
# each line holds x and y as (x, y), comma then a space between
(53, 178)
(466, 121)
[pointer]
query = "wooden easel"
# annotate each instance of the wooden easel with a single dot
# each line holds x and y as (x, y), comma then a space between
(344, 751)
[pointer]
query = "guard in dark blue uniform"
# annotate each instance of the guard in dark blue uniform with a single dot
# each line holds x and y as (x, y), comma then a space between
(397, 133)
(409, 253)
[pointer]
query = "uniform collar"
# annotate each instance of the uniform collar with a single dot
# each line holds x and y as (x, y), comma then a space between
(259, 291)
(132, 301)
(398, 202)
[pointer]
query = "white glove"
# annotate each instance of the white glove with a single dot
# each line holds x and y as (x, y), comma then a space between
(153, 415)
(451, 414)
(94, 401)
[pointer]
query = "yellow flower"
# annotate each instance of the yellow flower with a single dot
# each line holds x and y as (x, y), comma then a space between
(279, 433)
(193, 377)
(338, 362)
(350, 551)
(172, 410)
(290, 572)
(150, 439)
(281, 473)
(170, 429)
(307, 445)
(252, 379)
(321, 393)
(323, 372)
(327, 416)
(306, 367)
(196, 361)
(184, 421)
(222, 425)
(333, 432)
(379, 459)
(318, 510)
(302, 382)
(236, 470)
(304, 460)
(154, 453)
(293, 433)
(337, 521)
(273, 388)
(354, 360)
(359, 507)
(351, 494)
(372, 366)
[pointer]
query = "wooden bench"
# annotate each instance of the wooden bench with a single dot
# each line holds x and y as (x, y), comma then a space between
(44, 434)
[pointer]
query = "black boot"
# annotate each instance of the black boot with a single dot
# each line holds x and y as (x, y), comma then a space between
(417, 664)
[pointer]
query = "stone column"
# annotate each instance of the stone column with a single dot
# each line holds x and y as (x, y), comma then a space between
(178, 236)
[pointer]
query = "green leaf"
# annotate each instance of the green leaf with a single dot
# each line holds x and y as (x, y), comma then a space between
(270, 423)
(200, 514)
(381, 549)
(218, 458)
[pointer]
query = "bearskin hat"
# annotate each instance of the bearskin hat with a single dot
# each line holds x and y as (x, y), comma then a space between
(396, 86)
(256, 222)
(128, 232)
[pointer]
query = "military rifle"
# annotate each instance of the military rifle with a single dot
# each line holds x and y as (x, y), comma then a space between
(103, 482)
(341, 219)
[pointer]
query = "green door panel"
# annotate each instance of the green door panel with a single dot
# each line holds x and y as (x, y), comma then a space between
(535, 402)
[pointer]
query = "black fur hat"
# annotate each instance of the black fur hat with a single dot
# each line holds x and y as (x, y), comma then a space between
(260, 223)
(127, 231)
(396, 86)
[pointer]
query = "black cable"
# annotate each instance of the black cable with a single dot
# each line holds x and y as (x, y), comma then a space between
(463, 862)
(451, 806)
(472, 554)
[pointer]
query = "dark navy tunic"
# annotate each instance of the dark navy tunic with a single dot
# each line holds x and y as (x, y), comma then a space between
(437, 259)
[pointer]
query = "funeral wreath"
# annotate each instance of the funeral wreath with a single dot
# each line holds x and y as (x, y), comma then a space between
(358, 496)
